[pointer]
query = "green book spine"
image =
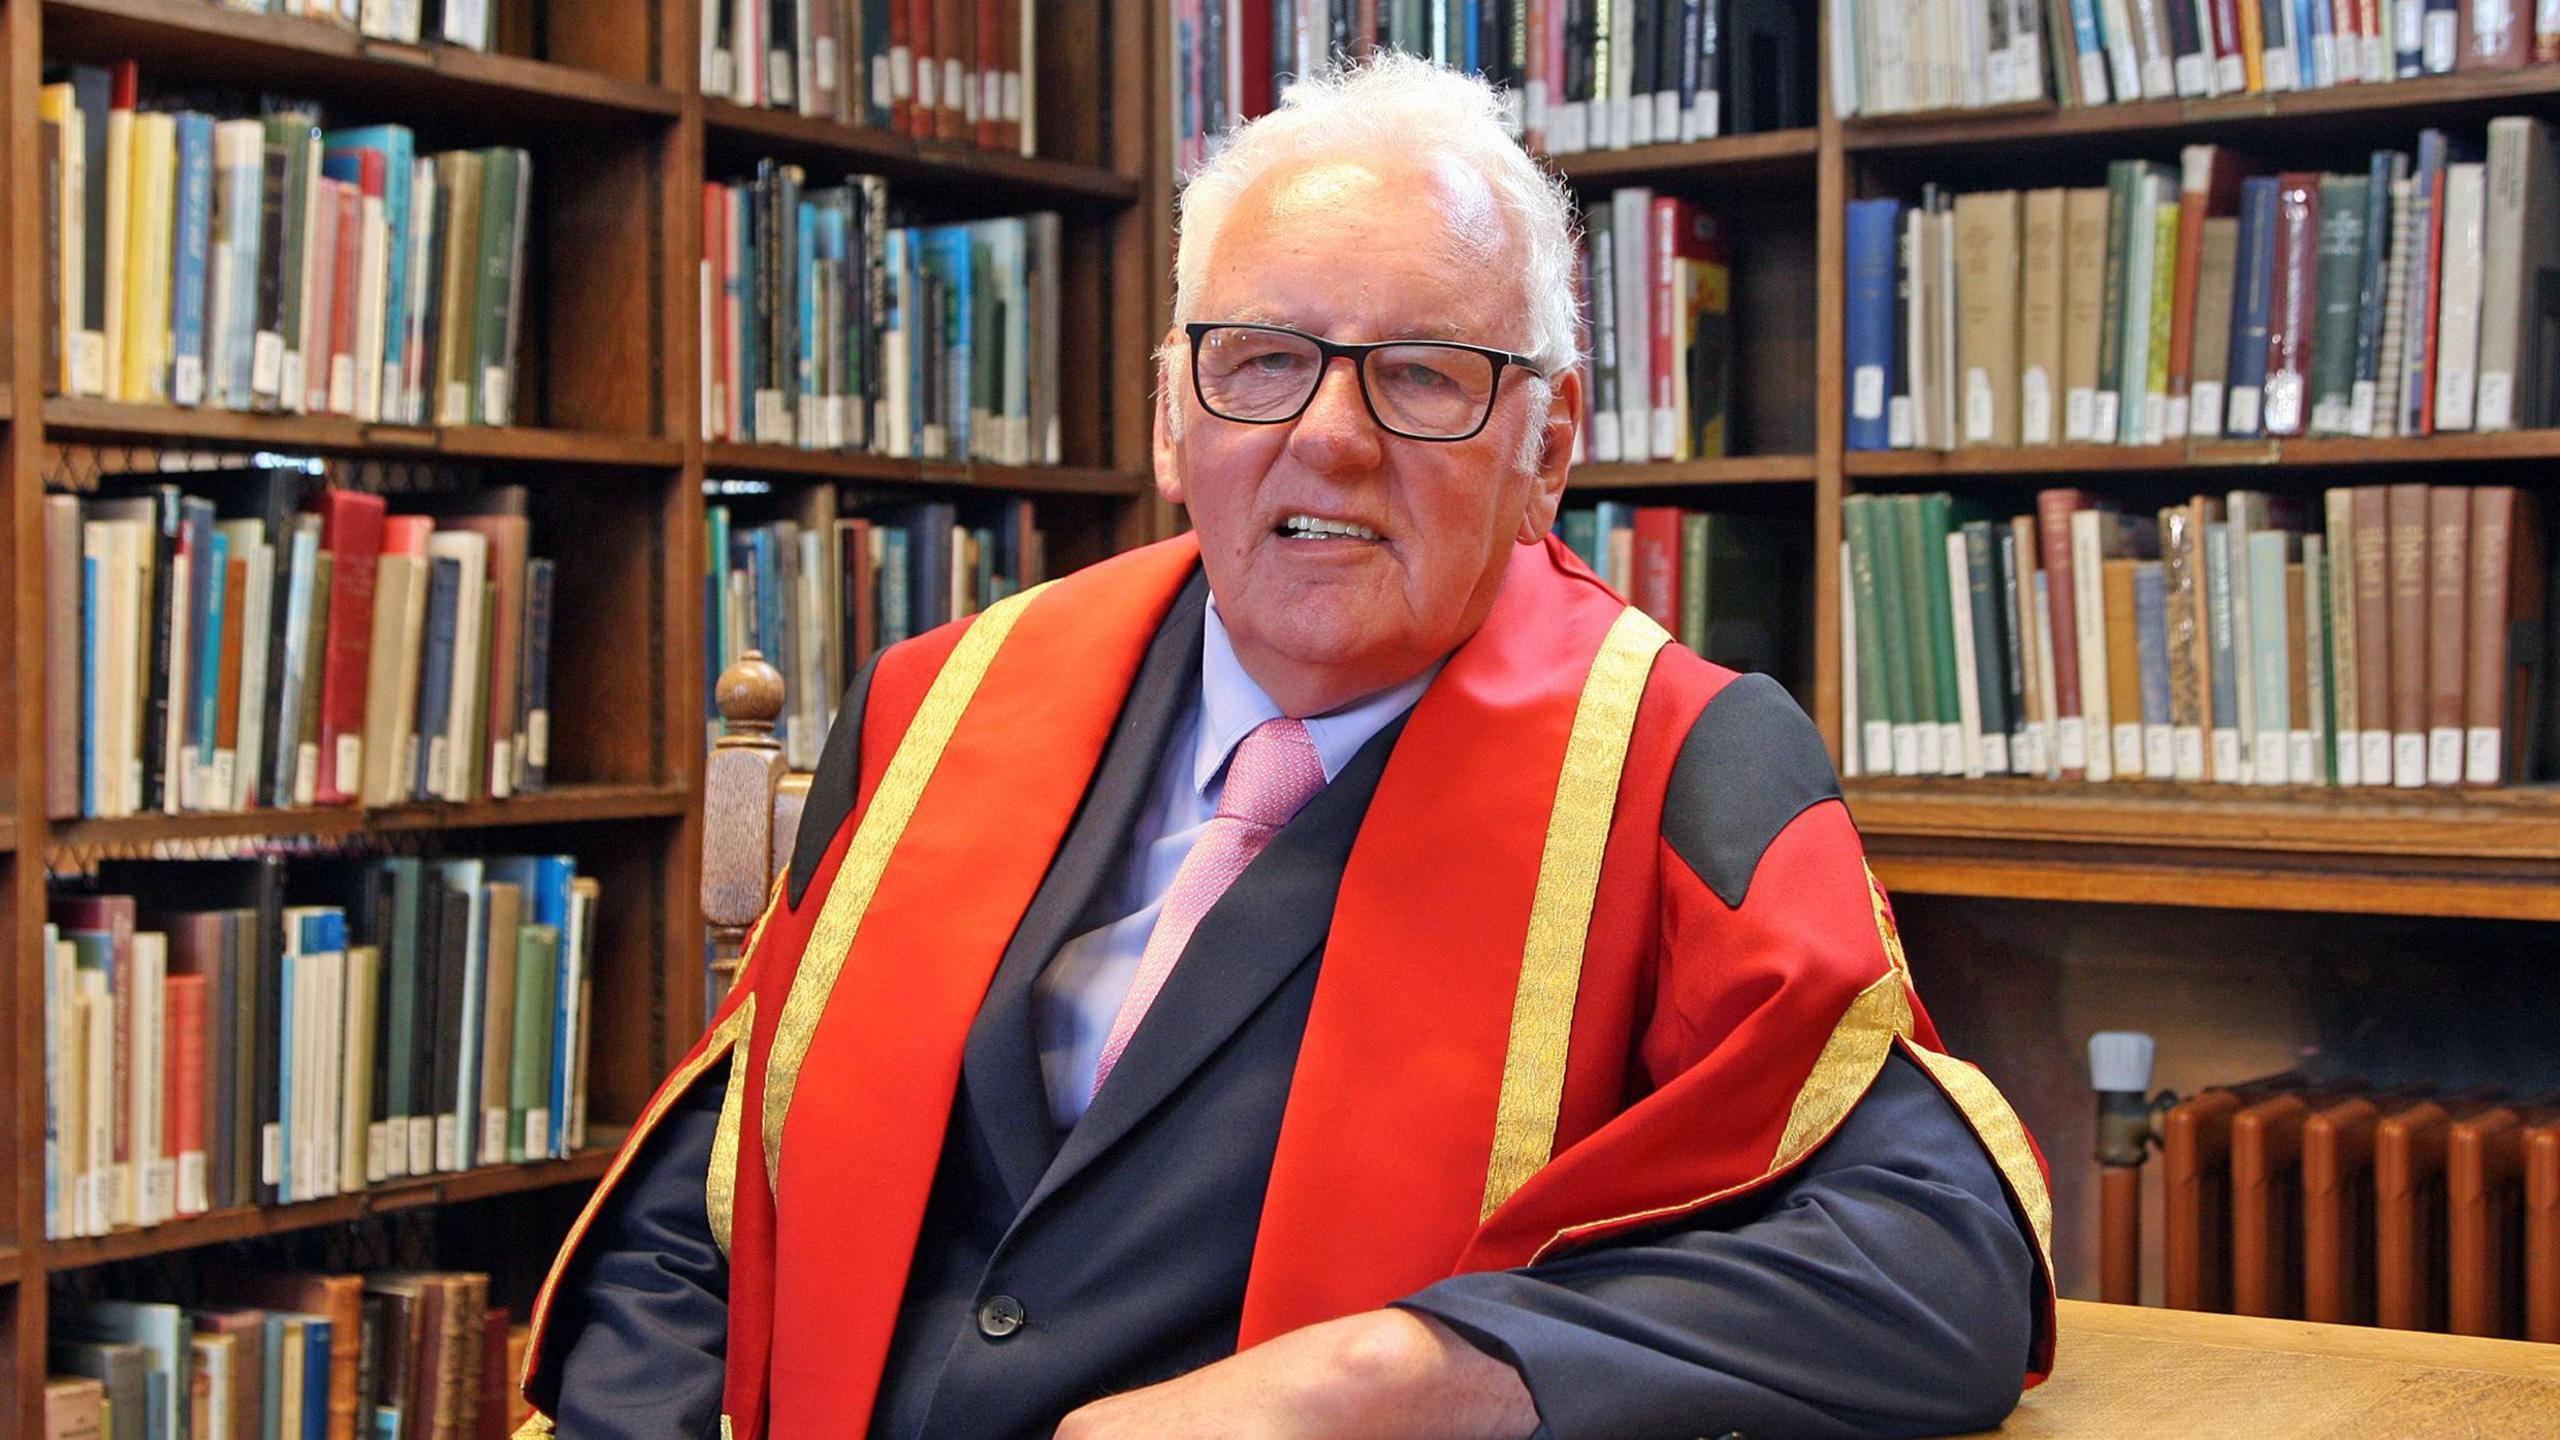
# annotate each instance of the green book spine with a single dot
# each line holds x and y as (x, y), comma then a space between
(2271, 678)
(1990, 641)
(2340, 295)
(1932, 514)
(529, 1064)
(2164, 303)
(400, 1011)
(1581, 528)
(1875, 691)
(1901, 674)
(2120, 195)
(2319, 664)
(1694, 530)
(1911, 537)
(504, 174)
(2141, 229)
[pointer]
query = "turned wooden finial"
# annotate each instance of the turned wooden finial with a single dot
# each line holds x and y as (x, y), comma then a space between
(749, 696)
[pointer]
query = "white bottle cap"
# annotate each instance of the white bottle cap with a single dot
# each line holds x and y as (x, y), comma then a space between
(2120, 1060)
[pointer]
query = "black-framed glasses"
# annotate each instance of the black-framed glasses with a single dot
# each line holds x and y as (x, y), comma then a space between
(1420, 389)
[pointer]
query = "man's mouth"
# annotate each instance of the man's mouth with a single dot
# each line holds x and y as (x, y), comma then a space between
(1314, 527)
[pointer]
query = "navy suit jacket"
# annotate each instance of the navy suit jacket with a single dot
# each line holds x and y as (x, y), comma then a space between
(1886, 1287)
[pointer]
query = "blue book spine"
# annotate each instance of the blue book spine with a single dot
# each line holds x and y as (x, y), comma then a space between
(549, 896)
(2151, 651)
(894, 623)
(272, 1362)
(398, 149)
(2311, 42)
(195, 246)
(435, 666)
(317, 1343)
(1471, 23)
(751, 250)
(715, 629)
(206, 721)
(831, 223)
(768, 603)
(805, 266)
(2089, 38)
(2253, 293)
(1874, 231)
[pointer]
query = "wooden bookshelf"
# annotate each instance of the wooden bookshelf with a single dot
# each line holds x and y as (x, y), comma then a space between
(1772, 157)
(2298, 453)
(602, 93)
(783, 461)
(249, 1222)
(1680, 474)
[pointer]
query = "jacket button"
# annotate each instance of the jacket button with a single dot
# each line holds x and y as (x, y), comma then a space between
(999, 1317)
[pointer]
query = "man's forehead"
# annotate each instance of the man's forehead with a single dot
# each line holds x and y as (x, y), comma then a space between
(1347, 190)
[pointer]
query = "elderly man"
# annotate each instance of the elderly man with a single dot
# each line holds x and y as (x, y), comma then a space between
(1337, 973)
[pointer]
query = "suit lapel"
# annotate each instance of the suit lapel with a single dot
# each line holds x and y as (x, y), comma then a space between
(1001, 1067)
(1268, 923)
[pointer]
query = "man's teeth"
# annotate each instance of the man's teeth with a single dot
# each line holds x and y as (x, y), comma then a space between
(1311, 527)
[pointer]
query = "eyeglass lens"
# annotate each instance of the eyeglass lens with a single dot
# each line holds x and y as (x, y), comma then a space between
(1420, 389)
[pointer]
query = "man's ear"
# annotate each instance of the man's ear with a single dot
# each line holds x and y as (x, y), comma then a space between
(1167, 450)
(1554, 456)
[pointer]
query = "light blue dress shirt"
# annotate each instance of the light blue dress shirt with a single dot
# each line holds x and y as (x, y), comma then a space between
(1078, 996)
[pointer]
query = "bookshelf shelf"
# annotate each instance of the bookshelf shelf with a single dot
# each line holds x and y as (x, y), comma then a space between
(1677, 474)
(560, 805)
(977, 179)
(2431, 100)
(2064, 460)
(1775, 155)
(2485, 853)
(109, 422)
(782, 460)
(251, 1221)
(183, 36)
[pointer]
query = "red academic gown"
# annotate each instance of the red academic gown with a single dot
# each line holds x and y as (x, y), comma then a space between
(1510, 1053)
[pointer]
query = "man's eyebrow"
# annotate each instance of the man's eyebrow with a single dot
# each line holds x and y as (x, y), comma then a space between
(1440, 329)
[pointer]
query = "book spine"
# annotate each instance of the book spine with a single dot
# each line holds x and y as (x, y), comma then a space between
(1969, 760)
(1981, 571)
(2448, 626)
(2346, 676)
(2123, 623)
(2151, 630)
(2495, 539)
(2292, 314)
(2409, 511)
(2054, 509)
(2253, 306)
(2089, 613)
(2270, 656)
(2458, 316)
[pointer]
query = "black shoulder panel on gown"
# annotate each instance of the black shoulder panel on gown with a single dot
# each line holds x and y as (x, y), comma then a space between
(838, 781)
(1752, 762)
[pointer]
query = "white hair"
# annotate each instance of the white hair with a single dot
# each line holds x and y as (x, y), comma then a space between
(1396, 104)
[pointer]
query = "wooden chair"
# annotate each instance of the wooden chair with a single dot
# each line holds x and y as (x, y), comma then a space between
(750, 810)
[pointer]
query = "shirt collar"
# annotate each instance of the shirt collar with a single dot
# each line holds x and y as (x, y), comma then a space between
(1231, 705)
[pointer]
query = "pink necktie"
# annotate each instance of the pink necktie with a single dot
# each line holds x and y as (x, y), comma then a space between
(1275, 770)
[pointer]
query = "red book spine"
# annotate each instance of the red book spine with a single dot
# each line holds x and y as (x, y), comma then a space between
(2226, 33)
(902, 70)
(955, 51)
(988, 75)
(186, 1090)
(2294, 303)
(1253, 49)
(923, 112)
(2053, 534)
(351, 531)
(2495, 36)
(344, 300)
(1657, 579)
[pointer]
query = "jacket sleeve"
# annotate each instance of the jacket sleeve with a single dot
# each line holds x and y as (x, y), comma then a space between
(1886, 1285)
(644, 1320)
(1883, 1289)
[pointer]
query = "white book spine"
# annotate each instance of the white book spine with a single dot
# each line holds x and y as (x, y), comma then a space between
(1969, 758)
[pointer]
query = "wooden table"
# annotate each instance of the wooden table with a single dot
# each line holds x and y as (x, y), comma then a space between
(2126, 1371)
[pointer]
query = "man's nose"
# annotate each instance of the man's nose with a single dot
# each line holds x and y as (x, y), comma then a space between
(1336, 431)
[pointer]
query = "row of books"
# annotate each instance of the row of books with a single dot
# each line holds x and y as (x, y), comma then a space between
(828, 328)
(290, 1355)
(818, 595)
(233, 1032)
(1578, 74)
(2391, 636)
(1656, 274)
(963, 71)
(454, 22)
(1897, 56)
(238, 640)
(1715, 581)
(2206, 300)
(263, 263)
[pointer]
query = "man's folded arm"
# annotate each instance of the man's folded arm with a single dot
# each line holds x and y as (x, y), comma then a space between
(645, 1312)
(1885, 1288)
